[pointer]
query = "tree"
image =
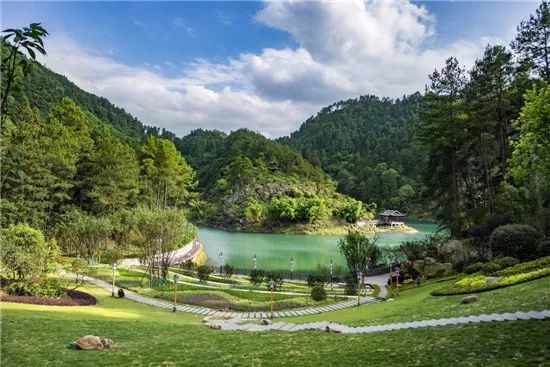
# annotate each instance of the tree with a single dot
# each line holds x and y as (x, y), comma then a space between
(43, 159)
(442, 135)
(110, 176)
(86, 234)
(359, 251)
(532, 43)
(170, 180)
(30, 39)
(25, 253)
(351, 210)
(530, 162)
(160, 233)
(490, 111)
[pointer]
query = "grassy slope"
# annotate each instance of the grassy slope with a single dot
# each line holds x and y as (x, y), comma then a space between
(145, 336)
(417, 304)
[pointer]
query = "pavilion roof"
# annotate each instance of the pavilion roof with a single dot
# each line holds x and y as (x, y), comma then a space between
(392, 213)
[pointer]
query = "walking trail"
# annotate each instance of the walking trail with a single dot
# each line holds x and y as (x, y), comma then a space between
(237, 320)
(228, 314)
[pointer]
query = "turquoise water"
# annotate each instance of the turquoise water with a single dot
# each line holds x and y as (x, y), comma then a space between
(273, 251)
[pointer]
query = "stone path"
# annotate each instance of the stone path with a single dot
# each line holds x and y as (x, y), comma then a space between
(236, 324)
(223, 314)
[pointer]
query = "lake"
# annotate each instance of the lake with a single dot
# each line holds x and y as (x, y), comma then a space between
(273, 251)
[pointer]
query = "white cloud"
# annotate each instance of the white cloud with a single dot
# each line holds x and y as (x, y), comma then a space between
(345, 49)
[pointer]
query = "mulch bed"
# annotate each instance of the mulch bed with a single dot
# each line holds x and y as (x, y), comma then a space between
(73, 298)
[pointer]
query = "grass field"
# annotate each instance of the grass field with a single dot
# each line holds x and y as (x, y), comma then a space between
(35, 335)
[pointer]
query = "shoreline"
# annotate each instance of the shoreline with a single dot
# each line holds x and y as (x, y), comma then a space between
(313, 230)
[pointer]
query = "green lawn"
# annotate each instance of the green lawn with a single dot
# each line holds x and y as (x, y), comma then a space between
(35, 335)
(417, 304)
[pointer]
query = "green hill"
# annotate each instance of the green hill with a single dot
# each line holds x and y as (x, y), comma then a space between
(253, 183)
(367, 145)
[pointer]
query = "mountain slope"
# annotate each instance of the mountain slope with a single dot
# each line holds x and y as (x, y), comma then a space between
(367, 144)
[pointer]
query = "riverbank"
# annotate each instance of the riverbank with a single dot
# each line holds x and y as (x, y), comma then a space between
(311, 229)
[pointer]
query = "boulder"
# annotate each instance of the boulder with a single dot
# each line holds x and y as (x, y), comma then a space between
(491, 280)
(90, 342)
(206, 318)
(332, 329)
(216, 326)
(430, 267)
(265, 322)
(468, 299)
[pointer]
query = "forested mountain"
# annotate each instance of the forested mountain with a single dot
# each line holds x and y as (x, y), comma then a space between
(251, 182)
(368, 145)
(44, 88)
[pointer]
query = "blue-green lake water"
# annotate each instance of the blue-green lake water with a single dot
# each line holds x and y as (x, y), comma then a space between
(273, 251)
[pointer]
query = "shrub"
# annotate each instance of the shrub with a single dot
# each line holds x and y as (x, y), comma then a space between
(514, 275)
(256, 277)
(49, 288)
(505, 262)
(203, 272)
(187, 264)
(318, 293)
(121, 293)
(439, 273)
(544, 247)
(228, 271)
(516, 240)
(490, 268)
(543, 262)
(473, 268)
(25, 253)
(317, 279)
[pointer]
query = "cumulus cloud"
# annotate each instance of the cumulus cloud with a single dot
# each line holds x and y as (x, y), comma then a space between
(344, 49)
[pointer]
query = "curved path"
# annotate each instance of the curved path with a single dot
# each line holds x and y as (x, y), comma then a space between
(227, 314)
(235, 324)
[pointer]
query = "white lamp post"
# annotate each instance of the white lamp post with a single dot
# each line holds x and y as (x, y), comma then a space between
(114, 266)
(291, 263)
(254, 260)
(359, 281)
(176, 278)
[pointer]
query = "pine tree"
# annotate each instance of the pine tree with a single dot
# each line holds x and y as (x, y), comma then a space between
(532, 43)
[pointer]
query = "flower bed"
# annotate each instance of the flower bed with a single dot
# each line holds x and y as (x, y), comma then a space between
(516, 274)
(73, 298)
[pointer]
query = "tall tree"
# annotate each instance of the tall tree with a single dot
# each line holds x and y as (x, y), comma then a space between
(442, 134)
(43, 158)
(490, 111)
(530, 162)
(360, 251)
(532, 43)
(110, 176)
(170, 180)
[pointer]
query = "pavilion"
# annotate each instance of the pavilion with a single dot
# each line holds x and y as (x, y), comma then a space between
(391, 218)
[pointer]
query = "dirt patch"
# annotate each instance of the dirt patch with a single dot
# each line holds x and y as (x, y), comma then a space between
(73, 298)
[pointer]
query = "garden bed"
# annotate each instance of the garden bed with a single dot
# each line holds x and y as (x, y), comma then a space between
(516, 274)
(73, 298)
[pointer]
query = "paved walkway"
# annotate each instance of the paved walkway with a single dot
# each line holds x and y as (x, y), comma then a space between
(235, 324)
(225, 314)
(381, 281)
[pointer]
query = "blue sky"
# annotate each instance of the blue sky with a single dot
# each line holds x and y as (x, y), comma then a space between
(266, 66)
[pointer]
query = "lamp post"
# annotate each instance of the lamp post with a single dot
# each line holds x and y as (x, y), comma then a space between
(359, 281)
(113, 287)
(291, 263)
(254, 260)
(271, 287)
(176, 277)
(331, 274)
(221, 262)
